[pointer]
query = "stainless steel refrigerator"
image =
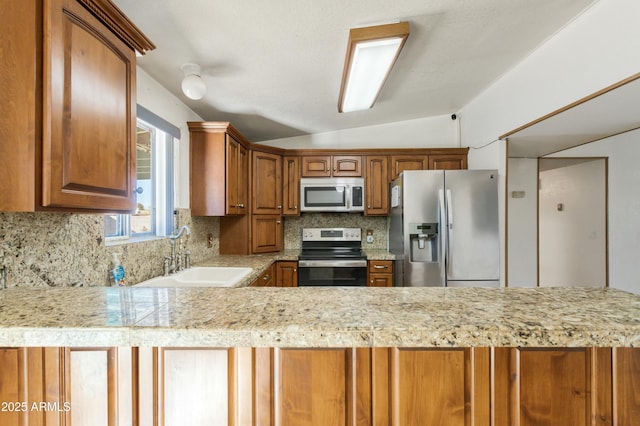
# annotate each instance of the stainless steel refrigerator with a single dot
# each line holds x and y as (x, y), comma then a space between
(444, 228)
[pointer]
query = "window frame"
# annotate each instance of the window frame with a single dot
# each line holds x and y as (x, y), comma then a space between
(163, 186)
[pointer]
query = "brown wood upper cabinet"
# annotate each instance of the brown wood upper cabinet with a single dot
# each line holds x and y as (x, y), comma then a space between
(219, 170)
(377, 185)
(332, 165)
(266, 233)
(267, 183)
(68, 114)
(291, 186)
(447, 162)
(400, 163)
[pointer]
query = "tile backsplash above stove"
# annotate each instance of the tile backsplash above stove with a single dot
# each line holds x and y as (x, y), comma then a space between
(293, 227)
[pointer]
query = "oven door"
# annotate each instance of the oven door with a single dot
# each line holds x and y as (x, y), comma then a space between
(340, 273)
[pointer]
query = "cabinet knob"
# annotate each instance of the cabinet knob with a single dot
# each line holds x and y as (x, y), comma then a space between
(368, 206)
(240, 205)
(295, 207)
(266, 277)
(278, 222)
(279, 207)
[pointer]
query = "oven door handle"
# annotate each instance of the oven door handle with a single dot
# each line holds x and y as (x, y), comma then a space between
(332, 263)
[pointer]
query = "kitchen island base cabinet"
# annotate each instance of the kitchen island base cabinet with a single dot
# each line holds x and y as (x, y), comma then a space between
(571, 386)
(337, 386)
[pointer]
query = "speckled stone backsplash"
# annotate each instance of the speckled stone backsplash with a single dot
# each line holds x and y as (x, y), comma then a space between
(64, 249)
(293, 227)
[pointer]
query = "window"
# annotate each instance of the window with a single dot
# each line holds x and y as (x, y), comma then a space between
(154, 182)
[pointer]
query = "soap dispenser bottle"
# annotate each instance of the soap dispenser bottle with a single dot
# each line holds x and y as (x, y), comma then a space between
(116, 274)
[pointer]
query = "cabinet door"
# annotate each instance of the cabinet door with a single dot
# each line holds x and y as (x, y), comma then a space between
(243, 180)
(232, 176)
(266, 233)
(377, 193)
(626, 379)
(287, 274)
(89, 113)
(19, 39)
(316, 166)
(380, 280)
(447, 162)
(313, 386)
(431, 386)
(347, 166)
(291, 186)
(400, 163)
(99, 385)
(552, 386)
(28, 376)
(267, 183)
(195, 386)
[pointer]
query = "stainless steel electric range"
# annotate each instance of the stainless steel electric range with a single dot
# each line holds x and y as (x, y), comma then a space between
(332, 257)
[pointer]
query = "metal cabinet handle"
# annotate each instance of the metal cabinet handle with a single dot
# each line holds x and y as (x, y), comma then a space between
(266, 277)
(278, 222)
(380, 266)
(241, 206)
(295, 207)
(279, 207)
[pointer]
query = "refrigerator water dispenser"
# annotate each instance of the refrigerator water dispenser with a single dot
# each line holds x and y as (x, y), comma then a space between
(423, 239)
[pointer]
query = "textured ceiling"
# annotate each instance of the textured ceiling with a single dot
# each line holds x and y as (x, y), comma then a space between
(273, 68)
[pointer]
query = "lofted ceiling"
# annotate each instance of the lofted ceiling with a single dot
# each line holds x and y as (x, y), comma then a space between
(273, 68)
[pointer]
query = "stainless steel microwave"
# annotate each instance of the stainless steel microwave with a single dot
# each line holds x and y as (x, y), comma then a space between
(332, 194)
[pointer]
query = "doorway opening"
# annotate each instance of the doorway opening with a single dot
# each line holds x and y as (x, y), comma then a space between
(572, 222)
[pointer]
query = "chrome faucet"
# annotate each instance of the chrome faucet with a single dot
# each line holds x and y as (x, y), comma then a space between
(174, 263)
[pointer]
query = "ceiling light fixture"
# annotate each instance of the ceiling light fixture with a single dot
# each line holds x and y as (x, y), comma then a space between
(371, 53)
(192, 84)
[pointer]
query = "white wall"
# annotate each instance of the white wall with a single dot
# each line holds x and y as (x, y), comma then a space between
(438, 132)
(572, 217)
(161, 102)
(522, 230)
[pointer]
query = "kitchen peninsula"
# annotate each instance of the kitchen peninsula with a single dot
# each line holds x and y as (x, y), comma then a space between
(326, 355)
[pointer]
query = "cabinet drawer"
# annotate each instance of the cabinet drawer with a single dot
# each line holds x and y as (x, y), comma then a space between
(381, 266)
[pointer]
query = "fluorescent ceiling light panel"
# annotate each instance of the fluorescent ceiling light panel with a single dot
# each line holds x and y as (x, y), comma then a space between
(371, 53)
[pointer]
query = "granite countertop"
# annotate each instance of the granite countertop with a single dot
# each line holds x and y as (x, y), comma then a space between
(318, 317)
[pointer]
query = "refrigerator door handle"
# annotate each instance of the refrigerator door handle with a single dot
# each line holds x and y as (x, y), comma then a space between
(449, 205)
(449, 210)
(443, 231)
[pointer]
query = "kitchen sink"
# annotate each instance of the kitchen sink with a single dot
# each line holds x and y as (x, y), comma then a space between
(200, 276)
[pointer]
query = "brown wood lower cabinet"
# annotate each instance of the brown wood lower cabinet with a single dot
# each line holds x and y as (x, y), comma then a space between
(380, 273)
(62, 386)
(332, 386)
(286, 273)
